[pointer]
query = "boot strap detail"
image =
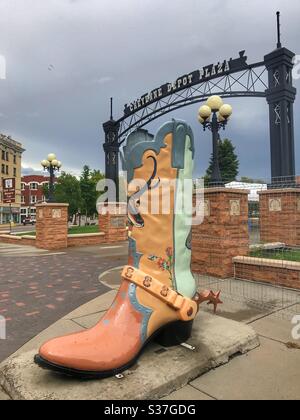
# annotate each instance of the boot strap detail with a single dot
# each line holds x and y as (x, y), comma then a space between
(186, 307)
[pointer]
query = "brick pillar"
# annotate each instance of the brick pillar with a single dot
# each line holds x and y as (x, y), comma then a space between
(223, 234)
(280, 216)
(112, 221)
(52, 226)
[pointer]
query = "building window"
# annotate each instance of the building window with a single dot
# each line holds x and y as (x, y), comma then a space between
(23, 186)
(33, 199)
(34, 186)
(15, 172)
(5, 155)
(15, 159)
(3, 169)
(22, 199)
(7, 172)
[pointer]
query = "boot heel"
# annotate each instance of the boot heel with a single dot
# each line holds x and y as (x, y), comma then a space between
(174, 334)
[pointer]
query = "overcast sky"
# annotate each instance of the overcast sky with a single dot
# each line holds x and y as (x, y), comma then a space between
(65, 58)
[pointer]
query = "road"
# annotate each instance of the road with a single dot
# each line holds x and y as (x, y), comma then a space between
(18, 229)
(39, 287)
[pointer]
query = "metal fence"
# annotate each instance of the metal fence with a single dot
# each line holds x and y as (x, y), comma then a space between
(261, 299)
(274, 234)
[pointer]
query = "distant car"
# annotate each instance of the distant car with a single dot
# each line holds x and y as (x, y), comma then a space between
(28, 221)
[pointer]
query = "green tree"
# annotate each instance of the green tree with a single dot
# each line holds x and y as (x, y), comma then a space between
(87, 192)
(67, 190)
(97, 176)
(248, 180)
(228, 161)
(88, 183)
(80, 194)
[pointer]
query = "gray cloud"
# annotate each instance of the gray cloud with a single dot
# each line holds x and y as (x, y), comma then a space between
(66, 58)
(31, 171)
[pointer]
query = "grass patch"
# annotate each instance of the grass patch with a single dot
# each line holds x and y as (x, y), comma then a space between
(287, 255)
(26, 234)
(75, 230)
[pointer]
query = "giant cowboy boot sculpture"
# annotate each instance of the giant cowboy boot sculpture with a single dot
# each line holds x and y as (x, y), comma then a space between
(157, 298)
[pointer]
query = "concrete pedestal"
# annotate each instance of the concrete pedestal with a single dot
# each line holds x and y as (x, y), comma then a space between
(158, 373)
(280, 216)
(112, 222)
(52, 226)
(223, 234)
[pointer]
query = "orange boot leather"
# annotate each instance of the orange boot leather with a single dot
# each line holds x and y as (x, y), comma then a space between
(157, 298)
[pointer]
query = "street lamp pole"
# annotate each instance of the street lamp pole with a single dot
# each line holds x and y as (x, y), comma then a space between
(52, 165)
(214, 117)
(216, 177)
(51, 184)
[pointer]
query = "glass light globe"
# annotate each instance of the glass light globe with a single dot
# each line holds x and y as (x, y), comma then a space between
(226, 111)
(54, 162)
(221, 118)
(205, 112)
(59, 164)
(44, 163)
(201, 120)
(51, 157)
(214, 102)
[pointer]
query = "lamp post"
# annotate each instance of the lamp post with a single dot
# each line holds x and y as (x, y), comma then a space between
(214, 116)
(52, 165)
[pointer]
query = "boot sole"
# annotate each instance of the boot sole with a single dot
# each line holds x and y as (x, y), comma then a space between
(169, 335)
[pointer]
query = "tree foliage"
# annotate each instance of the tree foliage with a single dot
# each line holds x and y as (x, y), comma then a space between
(89, 194)
(228, 161)
(67, 190)
(248, 180)
(80, 194)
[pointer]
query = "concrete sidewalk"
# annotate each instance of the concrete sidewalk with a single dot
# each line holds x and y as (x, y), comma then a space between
(268, 372)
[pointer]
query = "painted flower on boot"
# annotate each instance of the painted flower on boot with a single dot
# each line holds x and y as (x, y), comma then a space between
(165, 264)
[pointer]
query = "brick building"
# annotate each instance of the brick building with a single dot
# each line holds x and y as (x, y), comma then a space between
(10, 167)
(32, 189)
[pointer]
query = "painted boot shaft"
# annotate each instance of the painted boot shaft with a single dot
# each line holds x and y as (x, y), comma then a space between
(157, 298)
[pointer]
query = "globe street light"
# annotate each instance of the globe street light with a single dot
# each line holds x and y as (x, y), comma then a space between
(214, 116)
(52, 165)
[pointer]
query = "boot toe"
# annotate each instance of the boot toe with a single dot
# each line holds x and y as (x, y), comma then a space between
(54, 351)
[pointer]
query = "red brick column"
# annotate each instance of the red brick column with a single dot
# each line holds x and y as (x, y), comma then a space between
(280, 216)
(52, 226)
(112, 221)
(223, 234)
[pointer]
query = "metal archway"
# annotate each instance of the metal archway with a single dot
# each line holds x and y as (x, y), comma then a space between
(234, 78)
(249, 82)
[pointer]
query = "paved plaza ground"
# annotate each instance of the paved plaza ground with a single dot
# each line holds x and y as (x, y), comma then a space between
(40, 290)
(39, 287)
